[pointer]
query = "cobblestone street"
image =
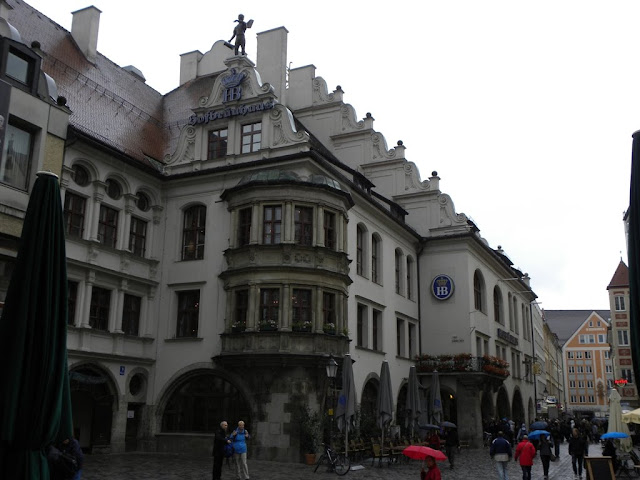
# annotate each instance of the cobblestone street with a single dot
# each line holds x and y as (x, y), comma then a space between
(469, 464)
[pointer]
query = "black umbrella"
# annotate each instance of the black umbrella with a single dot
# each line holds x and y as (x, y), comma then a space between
(634, 254)
(35, 400)
(385, 399)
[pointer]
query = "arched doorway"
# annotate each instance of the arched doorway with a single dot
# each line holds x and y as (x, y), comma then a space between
(517, 408)
(368, 420)
(198, 402)
(486, 408)
(502, 404)
(449, 405)
(93, 401)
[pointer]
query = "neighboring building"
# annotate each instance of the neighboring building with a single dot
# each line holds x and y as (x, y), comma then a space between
(618, 290)
(226, 238)
(588, 370)
(33, 128)
(552, 394)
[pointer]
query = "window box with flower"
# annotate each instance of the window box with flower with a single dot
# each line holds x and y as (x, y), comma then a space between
(268, 326)
(238, 326)
(301, 326)
(329, 328)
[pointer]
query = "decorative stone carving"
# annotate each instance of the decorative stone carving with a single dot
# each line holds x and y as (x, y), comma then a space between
(380, 150)
(349, 122)
(185, 151)
(412, 178)
(448, 216)
(321, 92)
(284, 129)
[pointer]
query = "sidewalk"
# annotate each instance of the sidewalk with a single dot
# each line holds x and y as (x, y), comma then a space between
(469, 464)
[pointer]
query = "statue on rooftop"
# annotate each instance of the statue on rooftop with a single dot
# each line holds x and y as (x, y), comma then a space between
(238, 33)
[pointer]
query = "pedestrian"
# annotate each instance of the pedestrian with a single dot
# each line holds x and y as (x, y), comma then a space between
(219, 441)
(577, 450)
(434, 440)
(451, 442)
(557, 437)
(545, 455)
(239, 438)
(521, 433)
(433, 473)
(500, 452)
(69, 460)
(525, 451)
(609, 450)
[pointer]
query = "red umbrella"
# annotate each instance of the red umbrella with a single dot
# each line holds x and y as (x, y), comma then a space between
(418, 452)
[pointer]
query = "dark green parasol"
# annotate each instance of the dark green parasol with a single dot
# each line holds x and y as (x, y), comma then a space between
(35, 400)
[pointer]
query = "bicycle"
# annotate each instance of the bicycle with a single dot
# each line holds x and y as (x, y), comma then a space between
(337, 462)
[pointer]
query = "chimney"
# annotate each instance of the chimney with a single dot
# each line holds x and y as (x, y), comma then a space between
(271, 60)
(84, 30)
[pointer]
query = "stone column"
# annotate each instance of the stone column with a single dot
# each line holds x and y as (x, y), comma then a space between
(119, 425)
(317, 322)
(288, 235)
(320, 226)
(82, 295)
(285, 324)
(231, 302)
(254, 308)
(151, 230)
(86, 308)
(120, 306)
(94, 217)
(255, 224)
(468, 391)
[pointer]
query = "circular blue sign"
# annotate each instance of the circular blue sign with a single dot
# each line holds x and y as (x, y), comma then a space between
(442, 287)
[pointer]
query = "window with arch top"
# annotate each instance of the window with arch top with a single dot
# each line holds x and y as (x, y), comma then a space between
(479, 292)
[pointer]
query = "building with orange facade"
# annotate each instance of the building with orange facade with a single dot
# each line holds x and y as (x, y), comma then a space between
(588, 370)
(621, 336)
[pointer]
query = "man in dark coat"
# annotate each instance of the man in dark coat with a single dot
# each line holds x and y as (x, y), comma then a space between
(219, 441)
(451, 442)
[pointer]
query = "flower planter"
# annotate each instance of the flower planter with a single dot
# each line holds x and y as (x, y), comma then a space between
(268, 328)
(301, 329)
(237, 329)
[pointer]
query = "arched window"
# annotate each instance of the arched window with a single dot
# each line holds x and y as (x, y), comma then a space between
(399, 270)
(193, 233)
(360, 233)
(479, 292)
(410, 275)
(497, 306)
(376, 257)
(199, 404)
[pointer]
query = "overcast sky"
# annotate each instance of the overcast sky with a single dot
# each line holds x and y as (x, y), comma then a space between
(524, 108)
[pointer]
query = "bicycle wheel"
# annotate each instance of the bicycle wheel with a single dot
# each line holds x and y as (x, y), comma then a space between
(342, 465)
(321, 460)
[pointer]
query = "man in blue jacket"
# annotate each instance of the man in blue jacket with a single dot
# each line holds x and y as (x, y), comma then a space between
(500, 451)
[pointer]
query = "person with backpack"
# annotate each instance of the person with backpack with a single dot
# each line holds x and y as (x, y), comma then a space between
(220, 441)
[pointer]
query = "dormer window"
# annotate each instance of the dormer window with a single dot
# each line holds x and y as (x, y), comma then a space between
(20, 65)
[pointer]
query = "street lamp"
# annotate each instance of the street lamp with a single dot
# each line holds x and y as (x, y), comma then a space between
(332, 372)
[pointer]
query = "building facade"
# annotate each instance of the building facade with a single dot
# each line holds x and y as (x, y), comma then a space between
(226, 239)
(618, 289)
(588, 370)
(33, 128)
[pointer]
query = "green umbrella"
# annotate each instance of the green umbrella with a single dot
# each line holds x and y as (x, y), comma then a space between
(633, 248)
(35, 400)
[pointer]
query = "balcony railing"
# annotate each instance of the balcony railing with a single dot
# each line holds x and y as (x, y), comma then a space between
(461, 363)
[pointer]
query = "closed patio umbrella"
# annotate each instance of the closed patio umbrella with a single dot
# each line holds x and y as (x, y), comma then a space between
(35, 401)
(346, 410)
(435, 400)
(634, 255)
(413, 400)
(384, 401)
(615, 421)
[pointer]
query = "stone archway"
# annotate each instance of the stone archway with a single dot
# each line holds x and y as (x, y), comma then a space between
(368, 409)
(502, 404)
(517, 408)
(93, 401)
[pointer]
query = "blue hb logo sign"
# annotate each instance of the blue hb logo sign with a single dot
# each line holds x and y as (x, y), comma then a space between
(442, 287)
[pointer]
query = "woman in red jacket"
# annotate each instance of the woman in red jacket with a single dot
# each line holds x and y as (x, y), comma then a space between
(525, 451)
(433, 473)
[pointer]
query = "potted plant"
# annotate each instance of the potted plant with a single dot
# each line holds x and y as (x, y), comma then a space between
(329, 328)
(238, 326)
(301, 326)
(310, 433)
(268, 325)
